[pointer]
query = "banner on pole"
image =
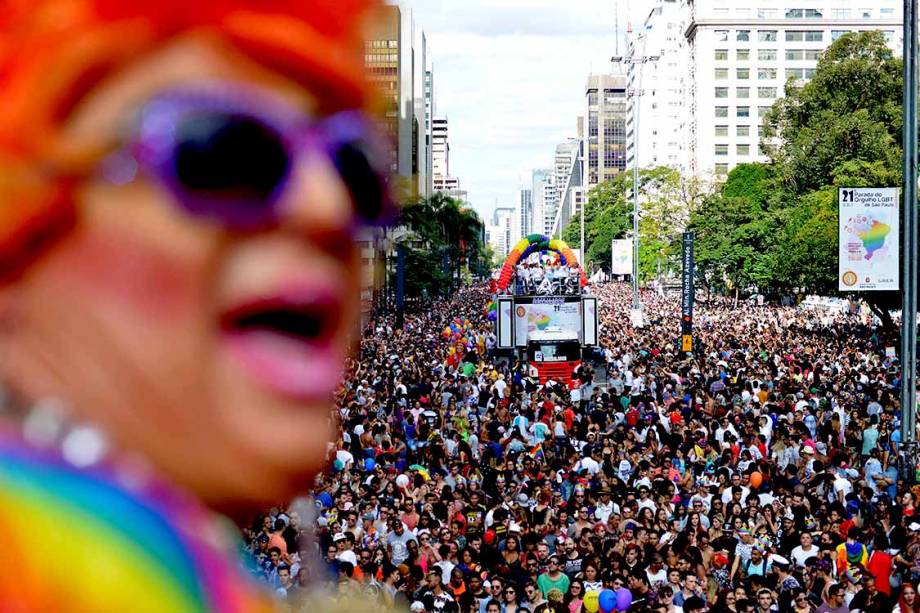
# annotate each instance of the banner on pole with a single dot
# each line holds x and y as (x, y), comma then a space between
(621, 257)
(687, 293)
(869, 239)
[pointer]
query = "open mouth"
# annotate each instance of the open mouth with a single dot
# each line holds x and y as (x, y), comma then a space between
(286, 343)
(306, 322)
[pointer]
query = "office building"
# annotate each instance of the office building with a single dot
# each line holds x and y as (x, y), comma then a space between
(396, 58)
(605, 133)
(743, 52)
(524, 213)
(660, 89)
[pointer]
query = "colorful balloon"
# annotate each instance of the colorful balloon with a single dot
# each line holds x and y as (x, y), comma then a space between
(624, 599)
(590, 601)
(756, 479)
(607, 600)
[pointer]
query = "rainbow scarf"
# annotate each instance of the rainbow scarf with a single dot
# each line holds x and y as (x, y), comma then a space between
(75, 541)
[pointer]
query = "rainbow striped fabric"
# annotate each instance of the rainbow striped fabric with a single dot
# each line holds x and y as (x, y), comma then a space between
(73, 540)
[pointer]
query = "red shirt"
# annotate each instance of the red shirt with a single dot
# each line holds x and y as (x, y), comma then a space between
(879, 566)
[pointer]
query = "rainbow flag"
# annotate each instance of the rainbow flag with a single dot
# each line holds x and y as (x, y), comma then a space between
(537, 453)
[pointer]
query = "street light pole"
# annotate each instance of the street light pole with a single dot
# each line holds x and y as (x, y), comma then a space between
(909, 262)
(635, 94)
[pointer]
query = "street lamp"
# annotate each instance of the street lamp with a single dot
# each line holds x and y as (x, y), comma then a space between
(636, 93)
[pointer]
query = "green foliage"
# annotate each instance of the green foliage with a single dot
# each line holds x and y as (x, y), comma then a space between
(775, 225)
(666, 198)
(444, 238)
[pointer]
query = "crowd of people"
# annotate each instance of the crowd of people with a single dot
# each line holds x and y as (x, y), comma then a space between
(757, 474)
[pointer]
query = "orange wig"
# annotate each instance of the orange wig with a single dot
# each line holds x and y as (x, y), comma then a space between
(52, 52)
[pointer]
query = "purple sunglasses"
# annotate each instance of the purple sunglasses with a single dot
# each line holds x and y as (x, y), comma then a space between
(227, 154)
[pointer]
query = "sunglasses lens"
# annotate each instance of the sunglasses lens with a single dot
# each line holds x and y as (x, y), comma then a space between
(354, 161)
(230, 157)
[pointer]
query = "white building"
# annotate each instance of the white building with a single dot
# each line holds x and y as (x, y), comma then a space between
(440, 149)
(742, 52)
(500, 234)
(568, 179)
(544, 196)
(524, 213)
(662, 87)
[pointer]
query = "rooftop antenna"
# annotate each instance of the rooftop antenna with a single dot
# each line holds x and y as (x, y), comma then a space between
(616, 26)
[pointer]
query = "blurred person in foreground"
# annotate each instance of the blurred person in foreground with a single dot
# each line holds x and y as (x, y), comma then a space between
(179, 188)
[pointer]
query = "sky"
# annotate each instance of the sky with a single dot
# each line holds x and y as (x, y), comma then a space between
(509, 75)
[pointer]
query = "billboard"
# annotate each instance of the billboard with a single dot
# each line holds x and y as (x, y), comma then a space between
(869, 239)
(541, 313)
(621, 257)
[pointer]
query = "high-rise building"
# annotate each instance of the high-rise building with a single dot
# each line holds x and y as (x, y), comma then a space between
(501, 231)
(396, 60)
(544, 194)
(430, 109)
(660, 89)
(605, 133)
(742, 53)
(568, 178)
(440, 149)
(524, 213)
(442, 181)
(396, 57)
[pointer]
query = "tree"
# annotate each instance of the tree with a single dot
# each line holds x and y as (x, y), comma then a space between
(443, 238)
(734, 230)
(843, 128)
(608, 215)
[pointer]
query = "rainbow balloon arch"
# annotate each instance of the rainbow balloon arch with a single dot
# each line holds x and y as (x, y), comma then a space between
(535, 243)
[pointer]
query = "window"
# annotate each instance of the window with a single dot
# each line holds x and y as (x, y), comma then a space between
(835, 34)
(809, 73)
(795, 13)
(743, 111)
(743, 130)
(766, 55)
(795, 36)
(721, 73)
(795, 73)
(721, 149)
(721, 169)
(813, 14)
(766, 36)
(743, 35)
(743, 55)
(865, 13)
(592, 97)
(813, 54)
(764, 74)
(766, 92)
(721, 92)
(795, 54)
(814, 36)
(743, 149)
(840, 13)
(721, 54)
(721, 35)
(743, 12)
(721, 111)
(743, 73)
(766, 13)
(721, 12)
(762, 111)
(887, 13)
(721, 130)
(743, 92)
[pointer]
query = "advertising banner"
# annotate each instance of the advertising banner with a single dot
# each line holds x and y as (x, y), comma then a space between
(621, 257)
(687, 293)
(869, 239)
(545, 313)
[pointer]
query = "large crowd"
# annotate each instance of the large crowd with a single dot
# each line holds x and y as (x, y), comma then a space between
(760, 474)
